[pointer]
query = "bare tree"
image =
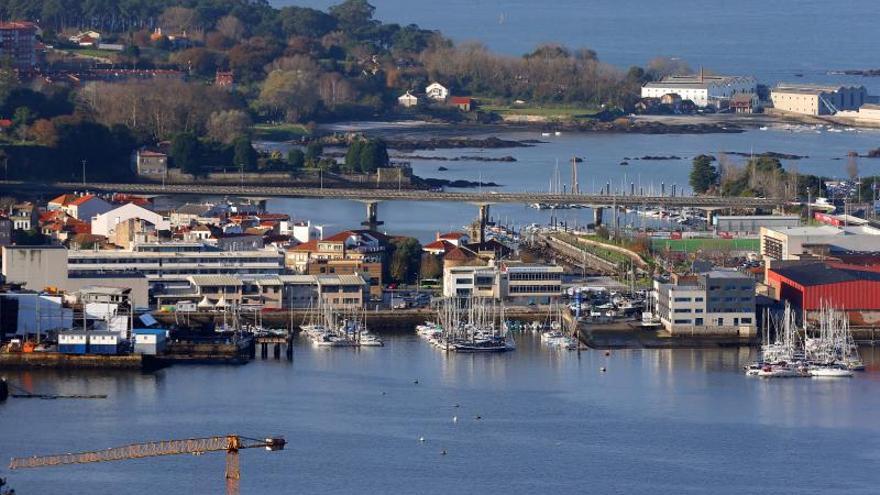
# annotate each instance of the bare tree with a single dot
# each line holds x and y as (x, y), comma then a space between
(226, 126)
(231, 27)
(159, 107)
(178, 20)
(852, 167)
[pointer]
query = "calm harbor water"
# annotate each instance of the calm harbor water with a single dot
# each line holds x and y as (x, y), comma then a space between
(774, 40)
(659, 421)
(535, 167)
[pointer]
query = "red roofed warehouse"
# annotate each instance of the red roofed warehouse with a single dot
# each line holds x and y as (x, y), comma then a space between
(849, 288)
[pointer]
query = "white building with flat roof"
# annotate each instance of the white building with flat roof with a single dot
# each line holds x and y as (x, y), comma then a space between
(704, 90)
(513, 281)
(718, 302)
(169, 266)
(790, 243)
(816, 99)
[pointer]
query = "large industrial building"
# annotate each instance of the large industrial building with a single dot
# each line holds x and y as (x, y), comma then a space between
(148, 267)
(812, 99)
(811, 286)
(718, 302)
(704, 90)
(751, 224)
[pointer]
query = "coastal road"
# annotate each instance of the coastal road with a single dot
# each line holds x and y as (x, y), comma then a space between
(371, 195)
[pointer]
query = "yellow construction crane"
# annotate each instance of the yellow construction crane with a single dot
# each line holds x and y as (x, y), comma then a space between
(231, 444)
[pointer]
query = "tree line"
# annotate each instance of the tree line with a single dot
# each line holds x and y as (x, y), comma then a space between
(290, 64)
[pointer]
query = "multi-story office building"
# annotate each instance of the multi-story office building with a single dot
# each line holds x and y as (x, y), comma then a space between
(169, 263)
(163, 266)
(514, 281)
(718, 302)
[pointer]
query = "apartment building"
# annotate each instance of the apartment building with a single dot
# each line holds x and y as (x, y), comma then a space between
(18, 44)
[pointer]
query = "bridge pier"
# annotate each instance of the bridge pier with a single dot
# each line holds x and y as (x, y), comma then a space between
(597, 216)
(372, 222)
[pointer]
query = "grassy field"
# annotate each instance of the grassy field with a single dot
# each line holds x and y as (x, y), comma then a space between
(691, 245)
(279, 132)
(549, 112)
(91, 53)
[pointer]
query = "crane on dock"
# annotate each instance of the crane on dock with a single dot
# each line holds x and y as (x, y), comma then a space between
(231, 444)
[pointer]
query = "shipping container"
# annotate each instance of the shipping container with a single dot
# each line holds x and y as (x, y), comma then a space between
(72, 348)
(149, 341)
(103, 343)
(72, 342)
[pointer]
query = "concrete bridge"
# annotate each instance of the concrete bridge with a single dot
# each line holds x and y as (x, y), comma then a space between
(373, 196)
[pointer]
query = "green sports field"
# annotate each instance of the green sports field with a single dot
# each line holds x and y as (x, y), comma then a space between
(691, 245)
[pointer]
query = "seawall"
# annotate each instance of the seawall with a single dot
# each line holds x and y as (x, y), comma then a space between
(72, 361)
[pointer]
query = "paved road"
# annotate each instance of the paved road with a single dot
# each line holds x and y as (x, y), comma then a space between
(395, 194)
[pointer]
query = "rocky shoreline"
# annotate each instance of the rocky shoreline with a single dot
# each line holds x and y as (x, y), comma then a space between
(456, 183)
(454, 143)
(507, 158)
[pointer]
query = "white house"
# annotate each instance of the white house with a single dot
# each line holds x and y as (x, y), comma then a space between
(408, 100)
(704, 90)
(86, 38)
(437, 92)
(105, 223)
(302, 231)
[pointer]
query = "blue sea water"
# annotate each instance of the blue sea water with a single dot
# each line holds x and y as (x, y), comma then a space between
(657, 422)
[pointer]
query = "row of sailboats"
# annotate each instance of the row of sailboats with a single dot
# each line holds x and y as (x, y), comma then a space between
(471, 325)
(824, 351)
(328, 326)
(554, 334)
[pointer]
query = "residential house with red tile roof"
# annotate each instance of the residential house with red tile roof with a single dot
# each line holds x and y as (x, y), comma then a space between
(457, 238)
(87, 206)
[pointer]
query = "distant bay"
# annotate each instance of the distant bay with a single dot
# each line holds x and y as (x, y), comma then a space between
(775, 40)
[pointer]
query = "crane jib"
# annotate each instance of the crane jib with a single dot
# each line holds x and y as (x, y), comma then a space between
(227, 443)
